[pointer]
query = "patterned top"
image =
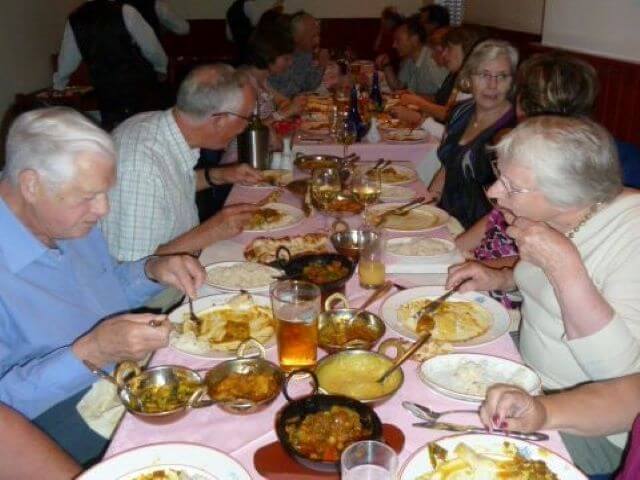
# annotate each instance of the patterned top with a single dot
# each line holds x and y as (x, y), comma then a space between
(153, 201)
(302, 76)
(423, 76)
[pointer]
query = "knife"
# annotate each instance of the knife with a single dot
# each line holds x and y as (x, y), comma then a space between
(452, 427)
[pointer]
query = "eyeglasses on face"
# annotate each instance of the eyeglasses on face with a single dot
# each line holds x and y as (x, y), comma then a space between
(508, 188)
(233, 114)
(486, 76)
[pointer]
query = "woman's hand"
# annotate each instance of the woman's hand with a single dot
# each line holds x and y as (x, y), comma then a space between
(412, 99)
(479, 277)
(511, 408)
(406, 115)
(544, 246)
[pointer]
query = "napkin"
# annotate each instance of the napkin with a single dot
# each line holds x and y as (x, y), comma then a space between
(434, 128)
(425, 267)
(101, 408)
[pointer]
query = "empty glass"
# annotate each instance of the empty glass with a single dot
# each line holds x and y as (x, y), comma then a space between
(369, 460)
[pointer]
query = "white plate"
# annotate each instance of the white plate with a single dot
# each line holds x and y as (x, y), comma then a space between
(396, 193)
(262, 288)
(416, 136)
(296, 216)
(437, 373)
(193, 459)
(418, 464)
(443, 217)
(410, 173)
(204, 303)
(282, 177)
(499, 315)
(450, 246)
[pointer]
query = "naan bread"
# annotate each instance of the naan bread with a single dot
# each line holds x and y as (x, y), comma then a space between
(264, 249)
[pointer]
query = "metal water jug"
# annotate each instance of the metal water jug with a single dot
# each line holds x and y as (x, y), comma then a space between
(253, 144)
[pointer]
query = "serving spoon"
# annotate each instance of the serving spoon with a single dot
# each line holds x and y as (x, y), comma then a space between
(110, 378)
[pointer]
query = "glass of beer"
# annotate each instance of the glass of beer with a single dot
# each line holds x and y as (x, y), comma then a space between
(296, 306)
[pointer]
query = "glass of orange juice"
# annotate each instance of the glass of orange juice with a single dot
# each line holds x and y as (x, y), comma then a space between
(371, 268)
(296, 306)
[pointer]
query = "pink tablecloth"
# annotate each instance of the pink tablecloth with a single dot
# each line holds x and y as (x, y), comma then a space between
(241, 436)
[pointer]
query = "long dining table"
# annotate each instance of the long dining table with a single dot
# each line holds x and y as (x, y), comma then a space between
(241, 436)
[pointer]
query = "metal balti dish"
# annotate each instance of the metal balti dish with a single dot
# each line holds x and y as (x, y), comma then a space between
(372, 364)
(294, 267)
(352, 242)
(297, 409)
(243, 365)
(344, 319)
(308, 163)
(133, 381)
(344, 205)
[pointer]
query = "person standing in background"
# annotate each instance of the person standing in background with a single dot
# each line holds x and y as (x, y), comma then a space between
(242, 18)
(159, 15)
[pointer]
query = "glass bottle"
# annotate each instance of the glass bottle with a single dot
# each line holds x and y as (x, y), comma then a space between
(376, 94)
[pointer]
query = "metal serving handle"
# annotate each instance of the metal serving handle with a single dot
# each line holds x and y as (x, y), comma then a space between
(126, 370)
(251, 345)
(392, 343)
(336, 298)
(283, 260)
(290, 375)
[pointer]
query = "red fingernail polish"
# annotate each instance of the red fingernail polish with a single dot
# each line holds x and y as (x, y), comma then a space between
(503, 425)
(495, 419)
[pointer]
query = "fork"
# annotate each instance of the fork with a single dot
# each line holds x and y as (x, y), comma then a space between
(427, 414)
(193, 317)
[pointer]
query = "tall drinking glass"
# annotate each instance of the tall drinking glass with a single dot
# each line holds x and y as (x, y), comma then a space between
(371, 269)
(366, 187)
(325, 186)
(346, 134)
(296, 306)
(369, 460)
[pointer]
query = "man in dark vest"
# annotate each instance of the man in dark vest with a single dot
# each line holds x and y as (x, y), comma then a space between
(159, 16)
(122, 53)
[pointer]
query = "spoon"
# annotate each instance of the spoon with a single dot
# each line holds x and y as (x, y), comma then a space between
(379, 292)
(425, 413)
(110, 378)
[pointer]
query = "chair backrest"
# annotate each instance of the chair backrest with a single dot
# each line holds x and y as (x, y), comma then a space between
(630, 159)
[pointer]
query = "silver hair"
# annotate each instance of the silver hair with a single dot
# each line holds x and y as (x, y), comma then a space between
(297, 20)
(210, 89)
(487, 51)
(574, 160)
(49, 140)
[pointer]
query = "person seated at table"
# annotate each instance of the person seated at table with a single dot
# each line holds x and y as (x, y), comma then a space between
(63, 298)
(546, 83)
(122, 53)
(241, 18)
(390, 19)
(26, 452)
(159, 15)
(418, 72)
(153, 210)
(584, 411)
(458, 43)
(458, 186)
(433, 17)
(577, 231)
(309, 60)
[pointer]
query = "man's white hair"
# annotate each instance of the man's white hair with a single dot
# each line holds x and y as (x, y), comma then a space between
(210, 89)
(49, 140)
(574, 160)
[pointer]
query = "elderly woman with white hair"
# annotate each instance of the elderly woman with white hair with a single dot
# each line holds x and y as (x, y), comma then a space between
(466, 168)
(63, 298)
(578, 233)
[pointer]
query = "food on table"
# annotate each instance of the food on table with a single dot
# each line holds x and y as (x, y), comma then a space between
(265, 217)
(255, 387)
(315, 126)
(264, 249)
(317, 103)
(324, 435)
(475, 378)
(322, 273)
(162, 398)
(392, 175)
(169, 474)
(316, 164)
(340, 333)
(345, 205)
(419, 247)
(430, 349)
(396, 193)
(224, 327)
(242, 275)
(276, 178)
(405, 135)
(298, 187)
(455, 321)
(465, 463)
(356, 376)
(416, 219)
(386, 121)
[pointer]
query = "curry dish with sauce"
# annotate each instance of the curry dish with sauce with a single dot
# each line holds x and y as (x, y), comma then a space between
(255, 387)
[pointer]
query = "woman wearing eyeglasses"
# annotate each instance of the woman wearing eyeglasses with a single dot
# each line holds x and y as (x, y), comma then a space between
(578, 234)
(466, 168)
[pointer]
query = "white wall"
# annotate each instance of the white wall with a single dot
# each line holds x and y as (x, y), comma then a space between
(30, 31)
(520, 15)
(604, 27)
(319, 8)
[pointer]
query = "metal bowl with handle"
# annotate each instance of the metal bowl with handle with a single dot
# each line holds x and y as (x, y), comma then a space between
(346, 328)
(297, 409)
(351, 242)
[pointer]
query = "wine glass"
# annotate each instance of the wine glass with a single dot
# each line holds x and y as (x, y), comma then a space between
(366, 187)
(346, 134)
(325, 186)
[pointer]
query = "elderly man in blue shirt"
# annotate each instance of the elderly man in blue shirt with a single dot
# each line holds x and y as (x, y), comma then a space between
(63, 298)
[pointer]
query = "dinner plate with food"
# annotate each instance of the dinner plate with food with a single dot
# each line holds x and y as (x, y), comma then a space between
(168, 461)
(464, 320)
(484, 456)
(396, 193)
(265, 249)
(315, 127)
(419, 249)
(467, 376)
(226, 321)
(395, 175)
(424, 218)
(235, 276)
(405, 135)
(274, 216)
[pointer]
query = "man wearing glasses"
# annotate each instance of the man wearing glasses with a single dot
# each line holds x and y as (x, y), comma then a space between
(153, 206)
